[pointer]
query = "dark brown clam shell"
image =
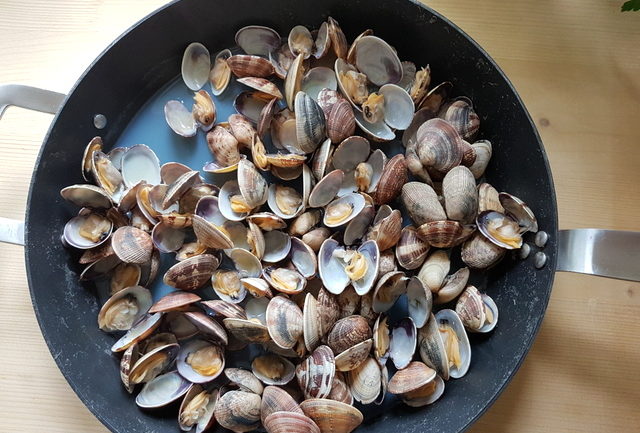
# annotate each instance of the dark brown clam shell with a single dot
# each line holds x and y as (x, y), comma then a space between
(348, 332)
(439, 145)
(393, 177)
(192, 273)
(243, 65)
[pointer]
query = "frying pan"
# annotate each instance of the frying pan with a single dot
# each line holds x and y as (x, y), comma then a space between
(116, 98)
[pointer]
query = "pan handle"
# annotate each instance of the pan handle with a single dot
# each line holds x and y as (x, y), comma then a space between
(32, 98)
(607, 253)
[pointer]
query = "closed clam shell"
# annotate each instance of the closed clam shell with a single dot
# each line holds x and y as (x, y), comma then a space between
(460, 194)
(304, 223)
(460, 113)
(284, 322)
(275, 399)
(244, 65)
(290, 422)
(388, 289)
(310, 123)
(348, 332)
(471, 309)
(332, 416)
(174, 301)
(224, 147)
(421, 202)
(441, 234)
(238, 411)
(386, 232)
(439, 145)
(132, 245)
(192, 273)
(341, 122)
(483, 153)
(478, 252)
(314, 238)
(247, 330)
(452, 286)
(365, 381)
(315, 374)
(411, 250)
(328, 310)
(414, 376)
(393, 177)
(225, 309)
(431, 348)
(434, 270)
(355, 355)
(488, 199)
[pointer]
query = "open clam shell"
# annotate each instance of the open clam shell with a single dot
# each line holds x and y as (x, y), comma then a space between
(166, 238)
(381, 339)
(377, 60)
(277, 245)
(300, 41)
(244, 379)
(417, 385)
(477, 311)
(200, 361)
(220, 74)
(432, 349)
(251, 103)
(519, 211)
(86, 196)
(331, 271)
(343, 209)
(196, 64)
(273, 369)
(434, 270)
(315, 374)
(227, 285)
(107, 176)
(196, 409)
(326, 189)
(303, 258)
(352, 151)
(284, 322)
(388, 289)
(370, 254)
(258, 40)
(247, 330)
(285, 201)
(124, 309)
(365, 381)
(94, 145)
(293, 81)
(149, 366)
(180, 119)
(448, 320)
(420, 301)
(378, 131)
(500, 229)
(267, 221)
(87, 231)
(229, 190)
(403, 342)
(318, 79)
(138, 332)
(285, 280)
(162, 391)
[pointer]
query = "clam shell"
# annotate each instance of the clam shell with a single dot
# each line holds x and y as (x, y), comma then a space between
(386, 231)
(244, 65)
(266, 116)
(95, 145)
(388, 289)
(293, 81)
(187, 371)
(86, 196)
(340, 390)
(488, 199)
(330, 269)
(192, 273)
(275, 399)
(205, 419)
(138, 332)
(365, 381)
(332, 416)
(224, 147)
(483, 155)
(478, 252)
(348, 332)
(304, 223)
(348, 302)
(166, 238)
(179, 187)
(341, 121)
(303, 258)
(355, 200)
(413, 377)
(355, 355)
(518, 210)
(434, 270)
(328, 310)
(196, 64)
(220, 74)
(132, 245)
(322, 42)
(295, 284)
(300, 41)
(441, 234)
(71, 234)
(398, 106)
(251, 103)
(227, 285)
(174, 301)
(452, 286)
(393, 177)
(247, 330)
(128, 360)
(420, 301)
(378, 131)
(411, 250)
(179, 326)
(209, 234)
(262, 85)
(180, 119)
(253, 186)
(338, 39)
(326, 189)
(381, 339)
(450, 318)
(460, 113)
(207, 326)
(238, 411)
(316, 237)
(284, 322)
(273, 204)
(258, 40)
(142, 298)
(277, 245)
(310, 123)
(147, 367)
(358, 226)
(207, 208)
(312, 328)
(436, 97)
(439, 145)
(290, 422)
(225, 309)
(409, 137)
(377, 60)
(273, 361)
(228, 190)
(124, 275)
(321, 159)
(352, 151)
(315, 374)
(422, 204)
(267, 221)
(162, 391)
(403, 342)
(107, 176)
(460, 194)
(317, 79)
(371, 253)
(431, 348)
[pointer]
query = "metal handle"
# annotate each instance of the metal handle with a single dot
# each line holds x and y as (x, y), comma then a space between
(608, 253)
(31, 98)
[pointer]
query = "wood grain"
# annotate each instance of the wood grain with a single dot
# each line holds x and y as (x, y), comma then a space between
(576, 63)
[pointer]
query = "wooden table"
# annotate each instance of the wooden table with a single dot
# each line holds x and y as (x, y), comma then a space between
(576, 63)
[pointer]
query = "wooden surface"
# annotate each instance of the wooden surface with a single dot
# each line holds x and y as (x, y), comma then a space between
(576, 63)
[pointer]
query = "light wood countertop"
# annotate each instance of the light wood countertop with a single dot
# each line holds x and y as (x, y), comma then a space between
(576, 64)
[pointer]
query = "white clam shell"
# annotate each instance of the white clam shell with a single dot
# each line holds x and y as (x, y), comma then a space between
(377, 60)
(277, 245)
(258, 40)
(451, 318)
(331, 271)
(357, 202)
(162, 390)
(317, 79)
(398, 106)
(140, 163)
(196, 64)
(180, 119)
(228, 190)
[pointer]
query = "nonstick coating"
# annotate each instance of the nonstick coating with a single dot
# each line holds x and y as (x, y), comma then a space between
(147, 57)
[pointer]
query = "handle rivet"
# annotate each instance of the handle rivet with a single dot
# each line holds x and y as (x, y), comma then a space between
(539, 260)
(99, 121)
(541, 239)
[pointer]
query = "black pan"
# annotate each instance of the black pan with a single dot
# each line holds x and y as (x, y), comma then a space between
(147, 57)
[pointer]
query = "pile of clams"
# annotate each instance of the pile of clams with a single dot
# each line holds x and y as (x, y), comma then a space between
(298, 260)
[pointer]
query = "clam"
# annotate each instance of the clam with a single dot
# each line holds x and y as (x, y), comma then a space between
(310, 123)
(348, 303)
(149, 366)
(107, 176)
(397, 107)
(403, 342)
(124, 308)
(179, 187)
(303, 258)
(452, 286)
(388, 289)
(196, 410)
(304, 223)
(483, 155)
(227, 285)
(365, 381)
(392, 179)
(250, 331)
(328, 310)
(500, 229)
(321, 159)
(332, 416)
(166, 238)
(225, 309)
(340, 390)
(238, 411)
(339, 266)
(124, 275)
(439, 146)
(284, 322)
(312, 328)
(285, 201)
(326, 189)
(262, 85)
(317, 79)
(100, 267)
(207, 326)
(253, 186)
(282, 60)
(95, 145)
(285, 280)
(460, 194)
(266, 116)
(478, 312)
(381, 339)
(352, 83)
(456, 343)
(251, 103)
(189, 200)
(273, 369)
(87, 231)
(314, 238)
(258, 40)
(322, 42)
(352, 151)
(444, 234)
(488, 199)
(192, 273)
(224, 147)
(203, 110)
(149, 201)
(460, 113)
(355, 355)
(420, 301)
(343, 209)
(377, 60)
(174, 301)
(180, 119)
(132, 245)
(293, 81)
(244, 65)
(231, 203)
(432, 349)
(86, 196)
(358, 226)
(417, 385)
(129, 358)
(315, 374)
(348, 332)
(434, 270)
(267, 221)
(196, 64)
(436, 97)
(387, 228)
(378, 131)
(220, 74)
(245, 380)
(140, 330)
(300, 41)
(162, 391)
(411, 250)
(277, 246)
(519, 211)
(290, 422)
(178, 325)
(338, 39)
(207, 208)
(276, 399)
(200, 361)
